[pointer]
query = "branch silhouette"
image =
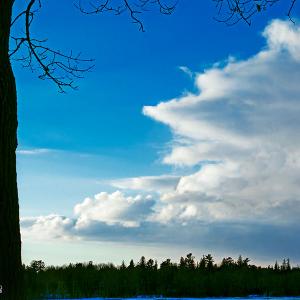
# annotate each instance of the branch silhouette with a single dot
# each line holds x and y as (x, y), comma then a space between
(64, 68)
(231, 12)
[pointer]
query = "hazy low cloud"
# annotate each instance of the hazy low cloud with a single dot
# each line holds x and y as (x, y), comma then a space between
(240, 133)
(259, 241)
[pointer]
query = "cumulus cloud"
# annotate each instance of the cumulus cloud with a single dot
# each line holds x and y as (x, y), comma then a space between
(47, 227)
(114, 208)
(239, 132)
(241, 128)
(105, 213)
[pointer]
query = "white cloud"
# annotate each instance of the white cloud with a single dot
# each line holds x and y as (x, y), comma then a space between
(284, 36)
(47, 227)
(114, 208)
(158, 184)
(103, 211)
(244, 118)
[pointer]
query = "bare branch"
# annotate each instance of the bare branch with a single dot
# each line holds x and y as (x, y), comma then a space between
(291, 9)
(61, 68)
(234, 11)
(134, 9)
(18, 17)
(52, 64)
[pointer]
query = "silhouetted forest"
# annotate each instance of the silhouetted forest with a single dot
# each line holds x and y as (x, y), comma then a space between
(188, 278)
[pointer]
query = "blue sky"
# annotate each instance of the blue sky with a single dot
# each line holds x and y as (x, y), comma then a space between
(79, 144)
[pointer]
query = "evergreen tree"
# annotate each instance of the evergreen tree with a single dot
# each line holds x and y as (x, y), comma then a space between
(276, 266)
(209, 262)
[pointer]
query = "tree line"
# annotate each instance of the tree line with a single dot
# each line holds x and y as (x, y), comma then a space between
(188, 278)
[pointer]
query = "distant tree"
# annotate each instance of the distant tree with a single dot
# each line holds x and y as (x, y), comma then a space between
(209, 262)
(150, 264)
(239, 261)
(242, 262)
(155, 265)
(246, 262)
(131, 264)
(283, 265)
(142, 262)
(227, 262)
(37, 266)
(288, 266)
(123, 266)
(182, 262)
(202, 264)
(166, 263)
(276, 266)
(190, 261)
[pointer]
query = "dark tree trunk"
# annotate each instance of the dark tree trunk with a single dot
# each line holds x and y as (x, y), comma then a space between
(10, 242)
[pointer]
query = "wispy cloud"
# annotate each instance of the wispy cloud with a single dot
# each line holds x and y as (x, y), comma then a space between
(161, 183)
(35, 151)
(187, 71)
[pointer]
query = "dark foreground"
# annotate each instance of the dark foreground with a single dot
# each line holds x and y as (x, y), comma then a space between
(188, 278)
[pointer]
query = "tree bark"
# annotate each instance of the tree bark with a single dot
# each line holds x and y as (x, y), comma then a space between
(11, 279)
